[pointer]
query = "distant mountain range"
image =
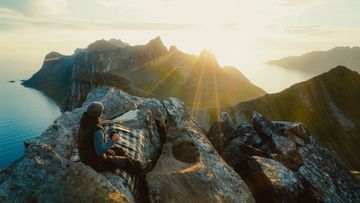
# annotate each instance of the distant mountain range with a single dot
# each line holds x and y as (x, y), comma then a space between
(327, 104)
(317, 62)
(143, 70)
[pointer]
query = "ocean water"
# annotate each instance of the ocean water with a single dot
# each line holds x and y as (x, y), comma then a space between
(273, 79)
(24, 114)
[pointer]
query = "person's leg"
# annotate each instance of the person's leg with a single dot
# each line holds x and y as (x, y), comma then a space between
(131, 165)
(126, 163)
(105, 166)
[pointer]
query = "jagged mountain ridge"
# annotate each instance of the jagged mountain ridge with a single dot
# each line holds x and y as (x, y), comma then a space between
(146, 70)
(326, 104)
(317, 62)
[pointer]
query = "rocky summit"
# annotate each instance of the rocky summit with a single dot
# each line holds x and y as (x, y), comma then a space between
(264, 162)
(186, 168)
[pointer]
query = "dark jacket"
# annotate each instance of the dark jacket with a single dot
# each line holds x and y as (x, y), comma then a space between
(85, 142)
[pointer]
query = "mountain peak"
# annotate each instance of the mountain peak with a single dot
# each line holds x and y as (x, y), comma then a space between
(207, 58)
(53, 54)
(156, 42)
(157, 39)
(340, 69)
(103, 45)
(345, 48)
(173, 48)
(339, 73)
(156, 45)
(206, 52)
(340, 48)
(337, 77)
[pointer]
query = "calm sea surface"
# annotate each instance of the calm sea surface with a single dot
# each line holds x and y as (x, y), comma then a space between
(24, 114)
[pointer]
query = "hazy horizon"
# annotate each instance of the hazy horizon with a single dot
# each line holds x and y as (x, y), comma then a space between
(240, 33)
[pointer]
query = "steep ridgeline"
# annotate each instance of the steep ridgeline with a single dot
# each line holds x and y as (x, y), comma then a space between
(327, 104)
(143, 70)
(317, 62)
(282, 161)
(54, 78)
(68, 79)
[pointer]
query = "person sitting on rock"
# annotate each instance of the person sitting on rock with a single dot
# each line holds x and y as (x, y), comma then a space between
(97, 152)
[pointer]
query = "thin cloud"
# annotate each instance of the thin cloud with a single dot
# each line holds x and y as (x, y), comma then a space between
(17, 20)
(292, 3)
(6, 12)
(110, 3)
(155, 14)
(309, 30)
(315, 32)
(48, 8)
(36, 8)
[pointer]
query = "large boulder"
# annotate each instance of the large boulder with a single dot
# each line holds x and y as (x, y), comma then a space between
(295, 131)
(268, 131)
(190, 170)
(222, 132)
(248, 135)
(273, 182)
(238, 153)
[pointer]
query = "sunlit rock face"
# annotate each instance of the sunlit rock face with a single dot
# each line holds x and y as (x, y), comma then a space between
(282, 162)
(181, 155)
(273, 181)
(327, 104)
(190, 170)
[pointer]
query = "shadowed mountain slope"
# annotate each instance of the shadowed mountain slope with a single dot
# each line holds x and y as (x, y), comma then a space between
(327, 104)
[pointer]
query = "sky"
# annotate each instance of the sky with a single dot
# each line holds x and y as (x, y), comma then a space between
(240, 33)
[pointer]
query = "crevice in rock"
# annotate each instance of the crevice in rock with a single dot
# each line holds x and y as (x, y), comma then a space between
(261, 193)
(161, 126)
(142, 195)
(308, 194)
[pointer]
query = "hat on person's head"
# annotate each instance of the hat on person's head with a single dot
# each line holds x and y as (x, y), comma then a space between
(95, 109)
